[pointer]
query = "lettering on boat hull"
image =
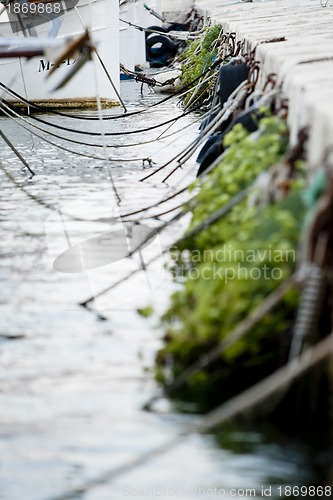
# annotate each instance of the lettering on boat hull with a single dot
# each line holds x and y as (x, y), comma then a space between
(45, 65)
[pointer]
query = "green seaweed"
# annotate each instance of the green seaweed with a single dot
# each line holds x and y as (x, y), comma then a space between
(229, 268)
(198, 56)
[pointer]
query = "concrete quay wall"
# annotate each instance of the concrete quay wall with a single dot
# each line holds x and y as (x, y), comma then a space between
(303, 62)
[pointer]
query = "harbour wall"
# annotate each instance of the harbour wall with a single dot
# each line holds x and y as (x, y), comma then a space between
(303, 61)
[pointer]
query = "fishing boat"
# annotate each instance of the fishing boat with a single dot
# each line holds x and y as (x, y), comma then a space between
(132, 41)
(62, 19)
(135, 15)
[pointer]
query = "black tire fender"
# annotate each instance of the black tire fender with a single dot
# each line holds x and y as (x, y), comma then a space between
(160, 29)
(167, 47)
(230, 77)
(178, 27)
(213, 152)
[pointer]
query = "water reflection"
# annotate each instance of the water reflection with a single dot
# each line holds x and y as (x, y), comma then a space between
(71, 386)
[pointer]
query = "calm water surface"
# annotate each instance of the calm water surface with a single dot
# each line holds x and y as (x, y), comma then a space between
(71, 385)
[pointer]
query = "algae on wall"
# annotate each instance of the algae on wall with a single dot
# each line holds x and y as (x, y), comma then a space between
(197, 58)
(229, 268)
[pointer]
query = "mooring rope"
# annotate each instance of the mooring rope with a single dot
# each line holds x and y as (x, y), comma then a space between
(178, 93)
(234, 336)
(181, 154)
(108, 134)
(279, 380)
(191, 35)
(144, 160)
(34, 198)
(123, 216)
(100, 114)
(209, 221)
(11, 109)
(222, 212)
(18, 119)
(229, 107)
(16, 152)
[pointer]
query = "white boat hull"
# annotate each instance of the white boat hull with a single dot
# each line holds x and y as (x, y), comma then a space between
(27, 78)
(132, 40)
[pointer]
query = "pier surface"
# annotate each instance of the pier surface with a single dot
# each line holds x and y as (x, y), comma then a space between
(303, 62)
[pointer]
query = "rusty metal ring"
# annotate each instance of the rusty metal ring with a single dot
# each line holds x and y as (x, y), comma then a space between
(254, 73)
(243, 53)
(238, 50)
(231, 39)
(271, 80)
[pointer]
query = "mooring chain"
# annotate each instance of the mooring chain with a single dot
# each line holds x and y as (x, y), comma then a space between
(143, 78)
